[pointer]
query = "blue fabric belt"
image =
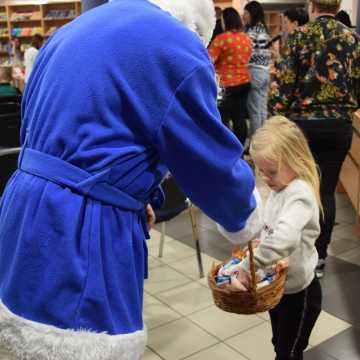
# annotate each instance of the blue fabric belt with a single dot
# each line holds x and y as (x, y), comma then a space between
(67, 175)
(79, 181)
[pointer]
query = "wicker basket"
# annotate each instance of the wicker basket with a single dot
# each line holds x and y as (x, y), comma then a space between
(251, 301)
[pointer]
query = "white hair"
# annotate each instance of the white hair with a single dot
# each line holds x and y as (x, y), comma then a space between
(197, 15)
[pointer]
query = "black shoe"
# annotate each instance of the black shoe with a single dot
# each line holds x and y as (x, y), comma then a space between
(320, 269)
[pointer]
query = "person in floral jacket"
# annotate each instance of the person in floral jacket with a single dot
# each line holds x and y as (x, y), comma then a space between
(317, 85)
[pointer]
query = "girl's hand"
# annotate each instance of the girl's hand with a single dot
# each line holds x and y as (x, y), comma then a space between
(236, 252)
(150, 216)
(281, 265)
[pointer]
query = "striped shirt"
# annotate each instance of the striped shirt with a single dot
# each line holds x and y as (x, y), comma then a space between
(259, 36)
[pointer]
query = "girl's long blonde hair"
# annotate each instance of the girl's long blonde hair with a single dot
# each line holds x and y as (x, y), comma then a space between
(281, 140)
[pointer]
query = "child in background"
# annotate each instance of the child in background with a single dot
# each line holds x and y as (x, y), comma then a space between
(6, 88)
(291, 226)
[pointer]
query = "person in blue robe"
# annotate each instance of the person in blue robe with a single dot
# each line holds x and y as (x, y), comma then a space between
(118, 97)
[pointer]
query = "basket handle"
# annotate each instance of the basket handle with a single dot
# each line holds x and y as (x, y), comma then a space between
(252, 285)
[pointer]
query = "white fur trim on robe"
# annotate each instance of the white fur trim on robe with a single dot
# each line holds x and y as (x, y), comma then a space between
(197, 15)
(28, 340)
(252, 228)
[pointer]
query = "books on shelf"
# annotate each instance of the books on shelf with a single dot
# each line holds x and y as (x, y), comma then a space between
(60, 14)
(3, 16)
(26, 16)
(26, 31)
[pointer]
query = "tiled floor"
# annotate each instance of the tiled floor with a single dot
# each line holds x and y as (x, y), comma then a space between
(183, 322)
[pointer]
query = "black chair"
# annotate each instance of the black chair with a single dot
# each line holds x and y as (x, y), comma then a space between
(10, 129)
(11, 98)
(10, 104)
(175, 203)
(8, 164)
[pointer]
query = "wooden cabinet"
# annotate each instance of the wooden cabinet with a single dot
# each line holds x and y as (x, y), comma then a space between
(273, 21)
(23, 19)
(350, 172)
(56, 15)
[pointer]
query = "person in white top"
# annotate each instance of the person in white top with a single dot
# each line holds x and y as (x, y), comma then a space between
(290, 228)
(31, 54)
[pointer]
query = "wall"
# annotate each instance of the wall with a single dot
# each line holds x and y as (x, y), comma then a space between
(350, 6)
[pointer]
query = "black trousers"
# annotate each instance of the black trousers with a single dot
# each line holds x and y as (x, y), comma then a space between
(292, 321)
(329, 141)
(233, 108)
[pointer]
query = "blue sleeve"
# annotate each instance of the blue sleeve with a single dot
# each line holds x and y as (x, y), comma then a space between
(203, 155)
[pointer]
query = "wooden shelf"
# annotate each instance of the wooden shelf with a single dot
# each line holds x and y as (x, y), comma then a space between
(60, 19)
(22, 14)
(25, 21)
(273, 20)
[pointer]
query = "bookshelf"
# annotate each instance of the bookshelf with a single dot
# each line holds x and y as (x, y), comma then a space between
(24, 19)
(273, 21)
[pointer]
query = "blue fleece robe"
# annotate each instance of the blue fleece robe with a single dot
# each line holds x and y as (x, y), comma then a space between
(115, 98)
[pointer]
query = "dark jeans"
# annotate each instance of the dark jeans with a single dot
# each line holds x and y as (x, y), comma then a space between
(330, 141)
(292, 321)
(234, 108)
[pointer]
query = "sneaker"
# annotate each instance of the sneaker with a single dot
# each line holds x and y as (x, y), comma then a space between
(320, 269)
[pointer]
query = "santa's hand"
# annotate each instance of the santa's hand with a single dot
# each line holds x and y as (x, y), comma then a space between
(236, 252)
(281, 265)
(150, 216)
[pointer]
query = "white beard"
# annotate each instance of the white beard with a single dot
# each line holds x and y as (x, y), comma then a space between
(197, 15)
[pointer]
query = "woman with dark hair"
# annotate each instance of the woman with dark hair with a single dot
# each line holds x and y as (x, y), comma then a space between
(259, 65)
(231, 52)
(293, 18)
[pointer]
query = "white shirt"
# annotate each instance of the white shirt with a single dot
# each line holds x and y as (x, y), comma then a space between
(29, 59)
(290, 229)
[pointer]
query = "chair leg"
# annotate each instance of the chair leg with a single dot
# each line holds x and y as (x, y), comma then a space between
(196, 240)
(162, 239)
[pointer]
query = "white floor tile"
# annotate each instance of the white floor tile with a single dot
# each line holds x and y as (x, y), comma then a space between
(255, 343)
(189, 266)
(156, 313)
(326, 327)
(173, 251)
(217, 352)
(338, 246)
(352, 256)
(154, 242)
(164, 278)
(188, 298)
(223, 324)
(346, 215)
(179, 339)
(149, 355)
(154, 262)
(264, 316)
(342, 200)
(345, 231)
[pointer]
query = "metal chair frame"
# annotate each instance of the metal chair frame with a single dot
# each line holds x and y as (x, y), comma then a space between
(195, 234)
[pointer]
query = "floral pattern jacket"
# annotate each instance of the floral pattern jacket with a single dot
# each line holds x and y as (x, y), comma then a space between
(318, 75)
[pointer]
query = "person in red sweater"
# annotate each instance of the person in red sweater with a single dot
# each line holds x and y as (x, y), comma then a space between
(231, 52)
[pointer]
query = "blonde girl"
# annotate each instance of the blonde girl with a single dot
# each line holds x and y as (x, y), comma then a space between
(291, 225)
